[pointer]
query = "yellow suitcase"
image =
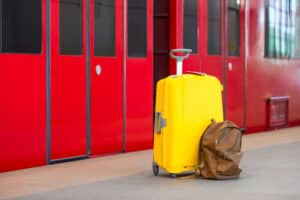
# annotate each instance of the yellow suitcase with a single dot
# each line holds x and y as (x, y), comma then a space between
(185, 105)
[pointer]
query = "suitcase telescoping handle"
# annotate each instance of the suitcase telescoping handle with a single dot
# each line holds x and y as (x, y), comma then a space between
(185, 53)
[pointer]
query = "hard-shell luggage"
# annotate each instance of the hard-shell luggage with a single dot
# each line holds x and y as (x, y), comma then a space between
(185, 105)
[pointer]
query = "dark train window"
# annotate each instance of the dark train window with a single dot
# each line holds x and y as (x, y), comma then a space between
(70, 27)
(233, 28)
(214, 27)
(21, 26)
(137, 28)
(190, 25)
(105, 27)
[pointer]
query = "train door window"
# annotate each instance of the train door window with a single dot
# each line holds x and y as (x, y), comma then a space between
(233, 28)
(190, 25)
(105, 22)
(279, 29)
(137, 43)
(295, 29)
(71, 27)
(21, 26)
(214, 27)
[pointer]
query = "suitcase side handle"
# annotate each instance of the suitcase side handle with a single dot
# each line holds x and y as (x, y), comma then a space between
(159, 122)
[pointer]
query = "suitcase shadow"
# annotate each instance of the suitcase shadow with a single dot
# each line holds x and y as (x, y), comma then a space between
(186, 175)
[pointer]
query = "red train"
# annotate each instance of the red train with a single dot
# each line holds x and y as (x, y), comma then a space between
(77, 76)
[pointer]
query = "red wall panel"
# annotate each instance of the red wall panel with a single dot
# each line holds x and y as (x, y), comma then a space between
(68, 93)
(267, 77)
(176, 32)
(23, 90)
(215, 65)
(139, 94)
(107, 90)
(23, 108)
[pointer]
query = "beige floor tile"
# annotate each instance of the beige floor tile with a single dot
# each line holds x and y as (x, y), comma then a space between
(52, 177)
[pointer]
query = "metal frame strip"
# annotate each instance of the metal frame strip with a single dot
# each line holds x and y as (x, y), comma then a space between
(224, 58)
(124, 73)
(68, 159)
(88, 79)
(246, 62)
(48, 82)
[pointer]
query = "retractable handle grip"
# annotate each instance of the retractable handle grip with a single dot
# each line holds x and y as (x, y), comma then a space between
(180, 58)
(187, 53)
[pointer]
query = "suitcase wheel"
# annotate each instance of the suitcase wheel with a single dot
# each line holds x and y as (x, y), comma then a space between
(155, 169)
(173, 175)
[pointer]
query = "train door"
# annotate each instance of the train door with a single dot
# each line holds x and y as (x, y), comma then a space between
(121, 75)
(220, 29)
(106, 71)
(68, 79)
(139, 74)
(235, 61)
(22, 83)
(223, 53)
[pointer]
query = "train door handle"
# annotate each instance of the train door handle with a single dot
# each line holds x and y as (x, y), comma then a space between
(98, 70)
(230, 66)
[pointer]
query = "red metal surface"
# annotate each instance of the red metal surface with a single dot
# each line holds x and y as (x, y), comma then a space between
(211, 64)
(107, 93)
(214, 64)
(196, 62)
(23, 87)
(193, 63)
(68, 95)
(140, 94)
(23, 107)
(176, 32)
(235, 79)
(267, 77)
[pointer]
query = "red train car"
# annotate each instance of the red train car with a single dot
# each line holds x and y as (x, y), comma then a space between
(78, 76)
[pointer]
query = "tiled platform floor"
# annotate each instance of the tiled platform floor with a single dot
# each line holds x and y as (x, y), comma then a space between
(271, 171)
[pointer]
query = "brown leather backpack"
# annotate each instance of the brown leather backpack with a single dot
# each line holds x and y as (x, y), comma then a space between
(220, 151)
